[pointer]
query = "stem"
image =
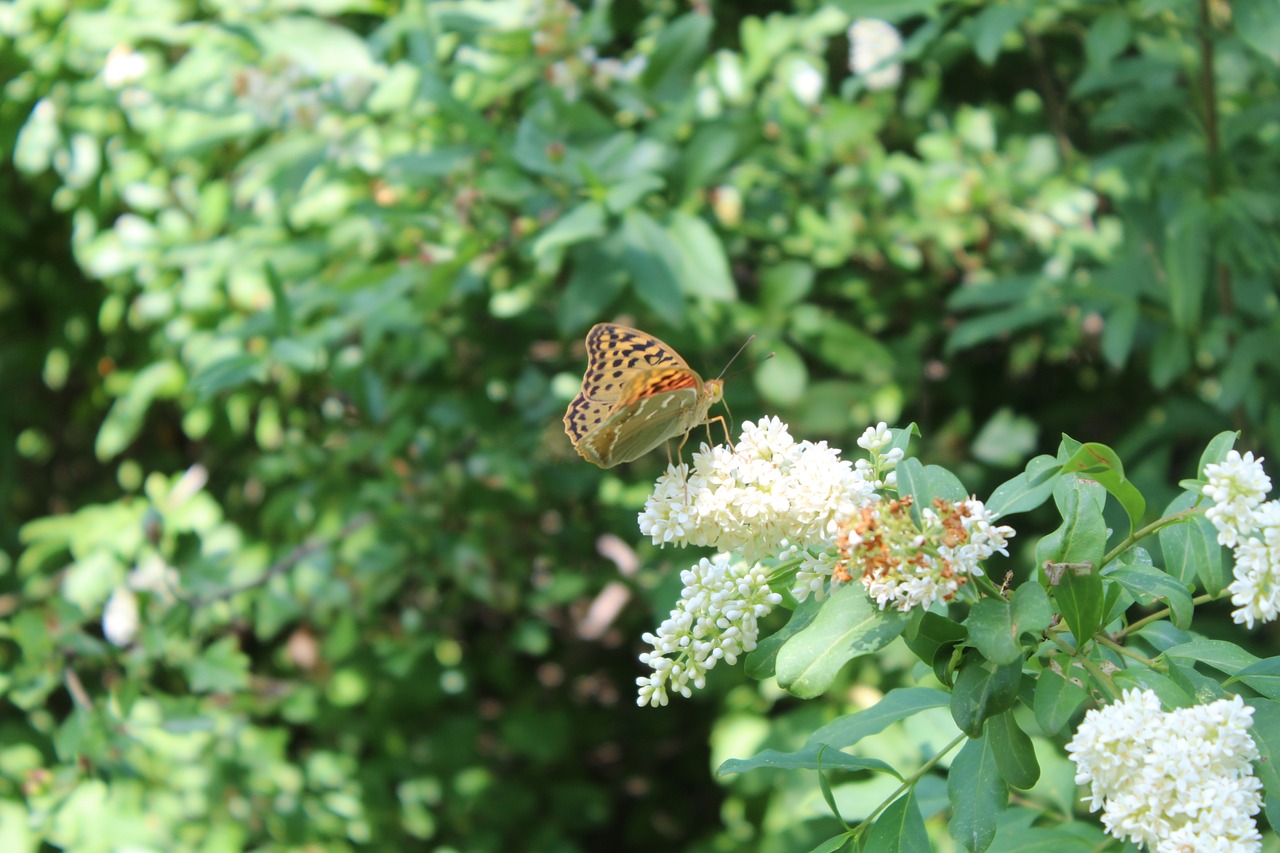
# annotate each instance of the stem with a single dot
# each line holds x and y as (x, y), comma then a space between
(1161, 613)
(910, 781)
(1103, 640)
(1144, 532)
(290, 560)
(1094, 670)
(987, 584)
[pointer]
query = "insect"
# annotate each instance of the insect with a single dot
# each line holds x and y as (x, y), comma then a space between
(636, 394)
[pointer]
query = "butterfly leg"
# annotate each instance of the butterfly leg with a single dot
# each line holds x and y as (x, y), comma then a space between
(683, 470)
(723, 425)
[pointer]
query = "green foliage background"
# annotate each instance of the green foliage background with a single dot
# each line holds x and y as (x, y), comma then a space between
(293, 306)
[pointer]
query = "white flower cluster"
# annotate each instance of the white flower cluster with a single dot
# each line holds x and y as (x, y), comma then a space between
(1238, 486)
(1174, 782)
(120, 617)
(768, 497)
(872, 43)
(716, 619)
(768, 494)
(908, 565)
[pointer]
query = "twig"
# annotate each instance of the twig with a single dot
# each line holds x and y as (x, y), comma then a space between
(290, 560)
(78, 694)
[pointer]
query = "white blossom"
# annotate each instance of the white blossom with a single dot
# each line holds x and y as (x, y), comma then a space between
(872, 43)
(120, 617)
(1172, 781)
(1237, 486)
(805, 82)
(905, 564)
(124, 65)
(768, 496)
(1256, 588)
(716, 619)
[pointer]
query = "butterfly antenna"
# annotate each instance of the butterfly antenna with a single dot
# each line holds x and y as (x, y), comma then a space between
(736, 354)
(745, 369)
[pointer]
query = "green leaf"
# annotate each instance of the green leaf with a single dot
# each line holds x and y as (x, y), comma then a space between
(934, 635)
(1202, 688)
(704, 269)
(1219, 654)
(1026, 491)
(1148, 585)
(1172, 695)
(1100, 463)
(1257, 23)
(784, 285)
(282, 311)
(978, 795)
(651, 258)
(1119, 334)
(1170, 357)
(1057, 699)
(220, 668)
(989, 27)
(595, 280)
(896, 705)
(1107, 37)
(1217, 449)
(982, 689)
(926, 482)
(990, 624)
(900, 827)
(832, 844)
(159, 380)
(628, 192)
(1032, 610)
(585, 222)
(1186, 264)
(847, 626)
(1015, 755)
(712, 148)
(1263, 676)
(1266, 734)
(782, 379)
(681, 47)
(761, 662)
(1076, 548)
(1191, 549)
(226, 373)
(815, 756)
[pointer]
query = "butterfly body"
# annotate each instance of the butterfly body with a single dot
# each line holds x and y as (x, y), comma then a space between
(636, 394)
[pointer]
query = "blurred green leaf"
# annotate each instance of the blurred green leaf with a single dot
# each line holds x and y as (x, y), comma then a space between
(220, 668)
(1257, 22)
(991, 25)
(681, 46)
(161, 380)
(585, 222)
(783, 378)
(652, 259)
(703, 269)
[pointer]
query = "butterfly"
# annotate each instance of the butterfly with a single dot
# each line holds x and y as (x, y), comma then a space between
(636, 394)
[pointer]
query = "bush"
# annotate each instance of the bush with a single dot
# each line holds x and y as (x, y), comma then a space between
(295, 398)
